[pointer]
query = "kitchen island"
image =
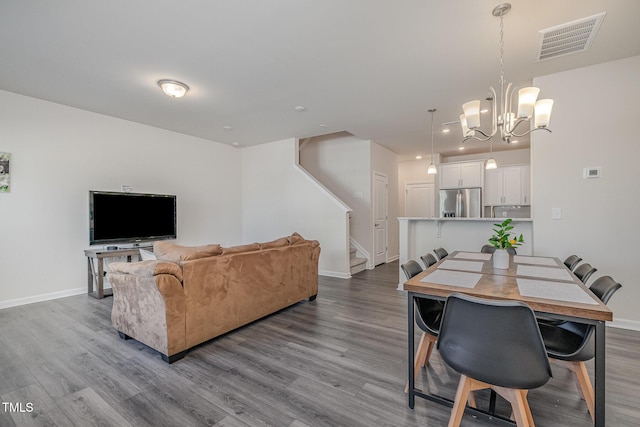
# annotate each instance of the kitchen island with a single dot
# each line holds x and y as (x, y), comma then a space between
(420, 235)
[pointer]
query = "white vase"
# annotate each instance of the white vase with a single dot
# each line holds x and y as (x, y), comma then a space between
(501, 259)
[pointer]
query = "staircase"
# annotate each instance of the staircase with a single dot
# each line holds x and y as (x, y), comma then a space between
(356, 264)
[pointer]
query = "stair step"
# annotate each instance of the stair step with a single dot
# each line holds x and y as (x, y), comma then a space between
(357, 265)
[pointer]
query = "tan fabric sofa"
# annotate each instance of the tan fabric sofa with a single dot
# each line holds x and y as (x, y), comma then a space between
(191, 295)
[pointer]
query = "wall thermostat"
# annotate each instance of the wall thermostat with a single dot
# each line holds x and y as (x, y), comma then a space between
(591, 172)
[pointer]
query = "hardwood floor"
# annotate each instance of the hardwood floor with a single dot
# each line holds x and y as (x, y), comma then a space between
(337, 361)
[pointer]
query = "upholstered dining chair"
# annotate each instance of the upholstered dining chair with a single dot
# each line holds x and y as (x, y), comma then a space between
(571, 262)
(428, 260)
(571, 344)
(441, 253)
(428, 314)
(488, 249)
(584, 272)
(493, 344)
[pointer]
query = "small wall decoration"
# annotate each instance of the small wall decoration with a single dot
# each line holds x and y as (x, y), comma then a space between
(5, 160)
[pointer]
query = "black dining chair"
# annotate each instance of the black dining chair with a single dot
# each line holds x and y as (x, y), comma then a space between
(493, 344)
(571, 344)
(488, 249)
(572, 261)
(428, 314)
(428, 260)
(441, 253)
(584, 272)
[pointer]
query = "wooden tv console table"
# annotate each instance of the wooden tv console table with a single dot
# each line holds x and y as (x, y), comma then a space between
(96, 274)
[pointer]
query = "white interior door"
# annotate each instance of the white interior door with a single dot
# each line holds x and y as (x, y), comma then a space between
(380, 196)
(419, 200)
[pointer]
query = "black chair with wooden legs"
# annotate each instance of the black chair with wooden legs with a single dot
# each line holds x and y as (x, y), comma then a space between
(428, 260)
(571, 344)
(493, 344)
(441, 253)
(571, 262)
(428, 314)
(584, 272)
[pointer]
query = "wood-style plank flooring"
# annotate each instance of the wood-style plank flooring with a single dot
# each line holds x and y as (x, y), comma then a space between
(338, 361)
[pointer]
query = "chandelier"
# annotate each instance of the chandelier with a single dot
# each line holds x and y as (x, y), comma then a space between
(505, 120)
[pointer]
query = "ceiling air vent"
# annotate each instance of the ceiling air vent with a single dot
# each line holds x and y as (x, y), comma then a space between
(572, 37)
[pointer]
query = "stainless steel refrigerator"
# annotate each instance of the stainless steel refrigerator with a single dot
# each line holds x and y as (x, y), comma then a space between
(461, 203)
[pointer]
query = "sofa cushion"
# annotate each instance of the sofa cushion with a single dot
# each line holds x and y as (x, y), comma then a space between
(278, 243)
(176, 253)
(146, 268)
(241, 248)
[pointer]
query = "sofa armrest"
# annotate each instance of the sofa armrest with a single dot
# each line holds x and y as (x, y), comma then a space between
(149, 304)
(146, 268)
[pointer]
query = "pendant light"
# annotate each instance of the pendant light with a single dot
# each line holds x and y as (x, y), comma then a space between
(491, 163)
(432, 170)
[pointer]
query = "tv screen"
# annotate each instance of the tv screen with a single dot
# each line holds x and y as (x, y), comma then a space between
(130, 217)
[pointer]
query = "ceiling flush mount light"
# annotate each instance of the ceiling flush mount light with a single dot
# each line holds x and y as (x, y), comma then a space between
(506, 120)
(432, 168)
(173, 88)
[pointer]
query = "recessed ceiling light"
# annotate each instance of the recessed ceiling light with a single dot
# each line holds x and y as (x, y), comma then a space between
(235, 144)
(299, 108)
(173, 88)
(460, 148)
(446, 130)
(418, 157)
(484, 110)
(227, 127)
(323, 126)
(514, 141)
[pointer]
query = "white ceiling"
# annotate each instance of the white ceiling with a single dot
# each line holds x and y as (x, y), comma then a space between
(369, 67)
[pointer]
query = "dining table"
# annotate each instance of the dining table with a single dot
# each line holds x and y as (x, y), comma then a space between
(543, 283)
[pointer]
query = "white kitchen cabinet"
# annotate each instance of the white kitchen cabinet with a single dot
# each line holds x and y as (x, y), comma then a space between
(508, 185)
(461, 175)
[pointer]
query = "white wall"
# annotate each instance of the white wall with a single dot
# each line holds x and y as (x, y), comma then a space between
(345, 164)
(280, 198)
(341, 162)
(60, 153)
(594, 124)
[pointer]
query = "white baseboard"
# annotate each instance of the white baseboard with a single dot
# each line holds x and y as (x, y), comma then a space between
(43, 297)
(632, 325)
(335, 274)
(393, 258)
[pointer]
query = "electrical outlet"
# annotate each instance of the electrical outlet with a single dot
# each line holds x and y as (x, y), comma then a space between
(556, 213)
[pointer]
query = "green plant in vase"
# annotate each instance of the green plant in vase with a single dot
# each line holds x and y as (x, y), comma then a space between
(502, 238)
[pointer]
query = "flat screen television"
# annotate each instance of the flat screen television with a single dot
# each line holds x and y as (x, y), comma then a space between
(131, 217)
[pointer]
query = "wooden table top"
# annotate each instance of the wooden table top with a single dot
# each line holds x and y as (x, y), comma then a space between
(502, 284)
